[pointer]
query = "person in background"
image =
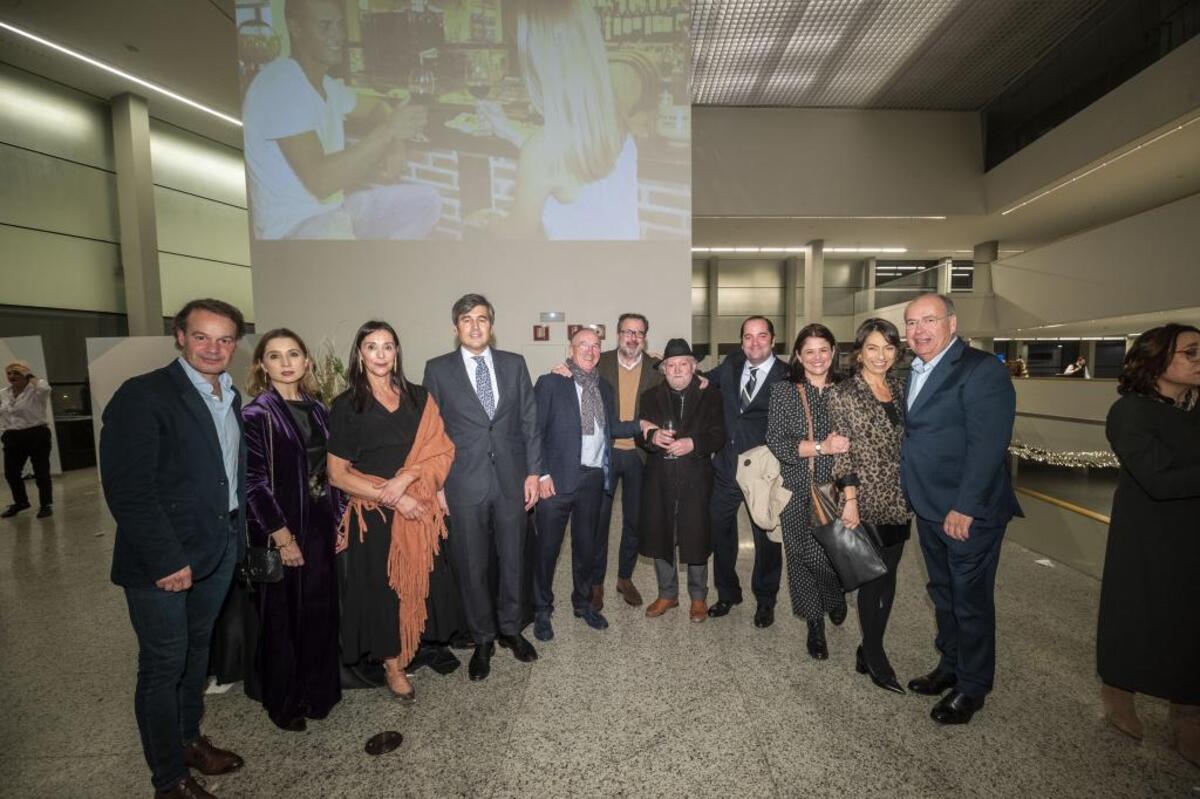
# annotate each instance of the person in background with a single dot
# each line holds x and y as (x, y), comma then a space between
(1148, 633)
(291, 508)
(685, 430)
(1077, 369)
(577, 174)
(305, 181)
(25, 432)
(869, 409)
(1018, 368)
(173, 469)
(806, 451)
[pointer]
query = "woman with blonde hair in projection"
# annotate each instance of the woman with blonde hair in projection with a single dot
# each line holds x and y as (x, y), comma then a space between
(577, 173)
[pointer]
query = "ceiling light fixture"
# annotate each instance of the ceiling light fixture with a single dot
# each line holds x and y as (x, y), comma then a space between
(1101, 165)
(829, 218)
(154, 87)
(802, 249)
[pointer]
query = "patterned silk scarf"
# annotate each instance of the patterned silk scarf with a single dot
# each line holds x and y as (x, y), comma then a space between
(591, 408)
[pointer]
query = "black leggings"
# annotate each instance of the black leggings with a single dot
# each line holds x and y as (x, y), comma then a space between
(32, 443)
(874, 608)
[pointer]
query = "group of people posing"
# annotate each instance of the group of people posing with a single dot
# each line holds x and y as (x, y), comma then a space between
(409, 516)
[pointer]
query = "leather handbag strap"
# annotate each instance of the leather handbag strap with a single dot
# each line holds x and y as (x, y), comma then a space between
(808, 421)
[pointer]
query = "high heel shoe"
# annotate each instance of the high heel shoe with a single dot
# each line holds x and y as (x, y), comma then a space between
(817, 648)
(394, 675)
(888, 683)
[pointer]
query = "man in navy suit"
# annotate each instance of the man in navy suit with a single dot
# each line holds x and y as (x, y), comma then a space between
(578, 420)
(953, 466)
(744, 379)
(173, 467)
(486, 399)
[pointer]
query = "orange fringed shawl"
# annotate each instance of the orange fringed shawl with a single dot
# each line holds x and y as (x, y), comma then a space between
(415, 542)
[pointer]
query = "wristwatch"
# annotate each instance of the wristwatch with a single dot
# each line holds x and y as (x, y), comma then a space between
(818, 443)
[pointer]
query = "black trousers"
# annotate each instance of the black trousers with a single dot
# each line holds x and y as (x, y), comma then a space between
(582, 508)
(874, 609)
(498, 524)
(726, 501)
(962, 579)
(33, 444)
(627, 468)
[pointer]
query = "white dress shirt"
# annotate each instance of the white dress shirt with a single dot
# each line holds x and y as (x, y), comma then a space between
(25, 410)
(763, 369)
(229, 433)
(470, 364)
(921, 371)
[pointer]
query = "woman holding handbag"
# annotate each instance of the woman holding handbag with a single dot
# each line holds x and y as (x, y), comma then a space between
(292, 509)
(800, 433)
(869, 408)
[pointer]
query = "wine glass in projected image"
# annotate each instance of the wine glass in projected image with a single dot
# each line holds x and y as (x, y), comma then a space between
(479, 79)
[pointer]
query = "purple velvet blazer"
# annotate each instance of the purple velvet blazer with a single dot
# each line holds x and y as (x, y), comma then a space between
(274, 447)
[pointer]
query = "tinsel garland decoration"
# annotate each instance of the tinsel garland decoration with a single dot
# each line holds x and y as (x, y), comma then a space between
(1073, 460)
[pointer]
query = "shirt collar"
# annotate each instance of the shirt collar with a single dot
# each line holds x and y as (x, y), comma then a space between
(469, 358)
(920, 367)
(201, 382)
(637, 362)
(765, 366)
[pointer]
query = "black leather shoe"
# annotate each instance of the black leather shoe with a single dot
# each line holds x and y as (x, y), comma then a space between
(934, 683)
(816, 641)
(297, 724)
(45, 512)
(722, 608)
(13, 509)
(763, 617)
(522, 650)
(955, 708)
(186, 788)
(887, 682)
(838, 615)
(481, 662)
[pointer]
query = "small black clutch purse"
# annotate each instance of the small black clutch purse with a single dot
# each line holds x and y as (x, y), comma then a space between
(261, 565)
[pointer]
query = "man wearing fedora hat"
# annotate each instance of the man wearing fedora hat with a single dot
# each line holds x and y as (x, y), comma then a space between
(25, 431)
(687, 427)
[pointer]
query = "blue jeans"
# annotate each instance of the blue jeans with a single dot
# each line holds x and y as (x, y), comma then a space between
(174, 631)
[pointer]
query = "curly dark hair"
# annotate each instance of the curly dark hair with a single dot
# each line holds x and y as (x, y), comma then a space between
(1148, 358)
(814, 330)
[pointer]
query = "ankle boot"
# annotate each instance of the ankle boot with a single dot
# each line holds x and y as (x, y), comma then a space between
(1185, 731)
(1120, 711)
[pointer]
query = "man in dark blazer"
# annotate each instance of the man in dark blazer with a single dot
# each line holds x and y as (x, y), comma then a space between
(173, 468)
(953, 466)
(577, 420)
(744, 379)
(630, 371)
(487, 404)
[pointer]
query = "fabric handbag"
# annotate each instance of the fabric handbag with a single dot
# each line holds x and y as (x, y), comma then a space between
(852, 551)
(263, 564)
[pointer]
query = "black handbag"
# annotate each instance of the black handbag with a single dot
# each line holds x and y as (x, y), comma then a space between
(854, 552)
(263, 564)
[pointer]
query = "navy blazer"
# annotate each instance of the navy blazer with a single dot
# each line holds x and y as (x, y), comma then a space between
(562, 432)
(164, 479)
(743, 429)
(956, 436)
(508, 443)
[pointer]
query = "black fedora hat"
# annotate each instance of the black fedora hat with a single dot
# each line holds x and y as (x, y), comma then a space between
(676, 347)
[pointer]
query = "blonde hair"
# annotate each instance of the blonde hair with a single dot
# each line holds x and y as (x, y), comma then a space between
(258, 382)
(565, 65)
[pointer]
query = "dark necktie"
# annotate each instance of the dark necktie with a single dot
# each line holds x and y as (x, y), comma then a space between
(483, 385)
(748, 389)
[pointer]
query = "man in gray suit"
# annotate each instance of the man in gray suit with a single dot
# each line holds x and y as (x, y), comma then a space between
(487, 403)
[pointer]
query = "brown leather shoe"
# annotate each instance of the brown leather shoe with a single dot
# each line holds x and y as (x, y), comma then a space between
(699, 611)
(201, 755)
(660, 606)
(186, 788)
(627, 589)
(597, 598)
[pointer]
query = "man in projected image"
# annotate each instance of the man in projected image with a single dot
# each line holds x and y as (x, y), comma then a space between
(488, 405)
(305, 182)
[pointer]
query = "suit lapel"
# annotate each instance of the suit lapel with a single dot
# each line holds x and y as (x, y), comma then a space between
(938, 376)
(191, 400)
(502, 387)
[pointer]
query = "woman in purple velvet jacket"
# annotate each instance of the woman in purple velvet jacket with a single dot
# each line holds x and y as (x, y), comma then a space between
(292, 505)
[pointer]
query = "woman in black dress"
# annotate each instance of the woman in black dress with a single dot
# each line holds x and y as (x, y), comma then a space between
(1148, 640)
(388, 540)
(804, 455)
(293, 509)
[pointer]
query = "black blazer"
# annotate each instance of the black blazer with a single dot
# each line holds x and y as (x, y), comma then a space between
(562, 433)
(743, 429)
(510, 442)
(956, 436)
(164, 479)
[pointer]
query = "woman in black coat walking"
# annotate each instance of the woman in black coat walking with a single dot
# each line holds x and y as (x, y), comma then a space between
(1148, 640)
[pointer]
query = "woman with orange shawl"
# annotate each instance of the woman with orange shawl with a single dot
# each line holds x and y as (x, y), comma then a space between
(389, 452)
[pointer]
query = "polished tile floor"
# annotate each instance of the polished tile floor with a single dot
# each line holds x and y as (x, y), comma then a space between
(647, 708)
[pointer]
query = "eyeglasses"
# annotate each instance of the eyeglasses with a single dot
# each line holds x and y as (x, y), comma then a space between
(924, 321)
(632, 333)
(1191, 353)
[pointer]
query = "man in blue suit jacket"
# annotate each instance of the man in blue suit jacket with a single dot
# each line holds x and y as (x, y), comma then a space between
(578, 420)
(173, 467)
(953, 465)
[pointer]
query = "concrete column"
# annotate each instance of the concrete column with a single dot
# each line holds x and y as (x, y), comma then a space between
(135, 207)
(985, 254)
(814, 281)
(791, 308)
(1088, 350)
(985, 343)
(944, 270)
(714, 337)
(872, 266)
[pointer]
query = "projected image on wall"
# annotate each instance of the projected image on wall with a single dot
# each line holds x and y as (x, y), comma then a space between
(466, 119)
